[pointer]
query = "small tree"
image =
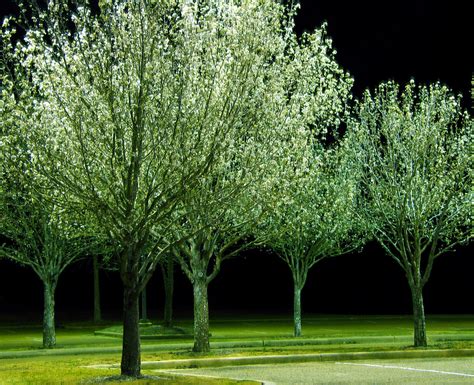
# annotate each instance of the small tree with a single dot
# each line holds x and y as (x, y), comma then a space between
(37, 241)
(416, 149)
(304, 93)
(314, 213)
(38, 233)
(215, 226)
(313, 191)
(100, 260)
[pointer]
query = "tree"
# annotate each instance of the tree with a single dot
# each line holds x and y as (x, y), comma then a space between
(415, 146)
(101, 260)
(313, 194)
(38, 233)
(216, 223)
(38, 242)
(304, 89)
(134, 104)
(314, 212)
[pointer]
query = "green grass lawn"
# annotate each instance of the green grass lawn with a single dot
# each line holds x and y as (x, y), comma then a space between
(72, 370)
(259, 335)
(17, 337)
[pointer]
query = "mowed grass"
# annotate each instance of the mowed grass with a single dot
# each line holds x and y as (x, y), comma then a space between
(339, 326)
(70, 368)
(77, 335)
(328, 326)
(28, 337)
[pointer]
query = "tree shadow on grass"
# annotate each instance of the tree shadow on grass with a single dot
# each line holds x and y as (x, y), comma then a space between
(118, 379)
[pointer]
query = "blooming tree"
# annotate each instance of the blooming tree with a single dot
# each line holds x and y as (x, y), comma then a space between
(312, 198)
(415, 147)
(216, 222)
(206, 220)
(36, 238)
(37, 232)
(302, 88)
(314, 215)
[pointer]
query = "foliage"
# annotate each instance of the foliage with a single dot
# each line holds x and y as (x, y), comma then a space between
(307, 173)
(38, 232)
(415, 146)
(315, 212)
(311, 186)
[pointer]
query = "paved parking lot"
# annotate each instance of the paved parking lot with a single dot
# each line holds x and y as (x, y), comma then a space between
(410, 371)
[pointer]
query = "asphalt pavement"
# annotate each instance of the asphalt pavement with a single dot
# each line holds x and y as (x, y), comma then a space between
(432, 371)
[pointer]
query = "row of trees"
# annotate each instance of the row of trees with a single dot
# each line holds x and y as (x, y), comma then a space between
(153, 130)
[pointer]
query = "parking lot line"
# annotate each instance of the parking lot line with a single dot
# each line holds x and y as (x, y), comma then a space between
(407, 368)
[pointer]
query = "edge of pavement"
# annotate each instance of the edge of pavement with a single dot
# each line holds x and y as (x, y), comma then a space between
(254, 343)
(296, 358)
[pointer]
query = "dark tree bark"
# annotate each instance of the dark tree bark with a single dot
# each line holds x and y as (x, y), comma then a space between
(97, 308)
(144, 305)
(420, 339)
(297, 310)
(131, 362)
(201, 316)
(49, 329)
(168, 281)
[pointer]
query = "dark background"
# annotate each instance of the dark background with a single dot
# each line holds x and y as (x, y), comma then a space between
(376, 41)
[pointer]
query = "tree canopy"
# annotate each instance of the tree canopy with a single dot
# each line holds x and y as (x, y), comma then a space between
(415, 146)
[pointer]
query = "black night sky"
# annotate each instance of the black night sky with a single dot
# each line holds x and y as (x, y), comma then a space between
(376, 41)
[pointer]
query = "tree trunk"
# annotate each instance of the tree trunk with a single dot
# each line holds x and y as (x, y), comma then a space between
(130, 365)
(49, 329)
(297, 310)
(420, 339)
(168, 281)
(97, 310)
(201, 316)
(144, 306)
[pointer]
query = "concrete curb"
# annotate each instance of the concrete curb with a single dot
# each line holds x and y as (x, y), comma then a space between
(296, 358)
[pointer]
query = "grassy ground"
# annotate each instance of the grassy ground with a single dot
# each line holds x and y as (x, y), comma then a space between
(71, 370)
(79, 338)
(15, 337)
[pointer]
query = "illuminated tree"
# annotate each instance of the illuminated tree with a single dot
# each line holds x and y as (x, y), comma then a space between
(37, 232)
(314, 215)
(36, 241)
(313, 189)
(304, 88)
(216, 222)
(415, 146)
